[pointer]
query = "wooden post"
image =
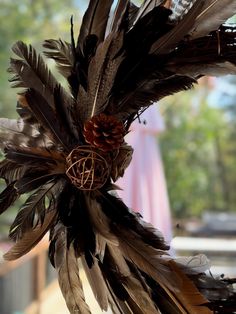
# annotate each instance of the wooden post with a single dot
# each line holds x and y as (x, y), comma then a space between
(38, 277)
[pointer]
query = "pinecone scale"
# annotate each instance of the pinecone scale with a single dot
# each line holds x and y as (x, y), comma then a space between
(104, 132)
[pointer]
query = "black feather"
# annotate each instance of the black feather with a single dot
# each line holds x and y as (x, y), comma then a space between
(47, 117)
(71, 206)
(32, 212)
(7, 197)
(61, 52)
(120, 215)
(10, 171)
(33, 179)
(95, 20)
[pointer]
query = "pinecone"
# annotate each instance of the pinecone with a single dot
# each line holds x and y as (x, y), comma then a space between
(104, 132)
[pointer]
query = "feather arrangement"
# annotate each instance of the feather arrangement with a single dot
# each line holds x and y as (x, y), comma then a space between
(67, 150)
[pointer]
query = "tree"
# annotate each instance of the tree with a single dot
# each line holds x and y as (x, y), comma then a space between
(30, 21)
(195, 154)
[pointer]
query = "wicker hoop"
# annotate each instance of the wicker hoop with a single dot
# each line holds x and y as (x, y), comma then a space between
(86, 168)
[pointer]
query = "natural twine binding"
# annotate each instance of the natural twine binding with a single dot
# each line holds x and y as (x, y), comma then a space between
(86, 168)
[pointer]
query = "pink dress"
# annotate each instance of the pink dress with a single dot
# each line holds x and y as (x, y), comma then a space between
(143, 185)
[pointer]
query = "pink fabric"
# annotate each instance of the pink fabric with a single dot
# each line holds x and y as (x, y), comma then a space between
(144, 186)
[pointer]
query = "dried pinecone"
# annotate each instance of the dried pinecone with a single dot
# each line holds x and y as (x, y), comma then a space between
(104, 132)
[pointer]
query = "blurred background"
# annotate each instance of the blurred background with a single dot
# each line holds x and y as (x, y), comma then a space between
(195, 163)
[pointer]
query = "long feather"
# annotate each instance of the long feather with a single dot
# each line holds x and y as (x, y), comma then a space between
(146, 7)
(68, 274)
(97, 283)
(34, 156)
(118, 13)
(17, 132)
(101, 75)
(33, 179)
(213, 54)
(150, 91)
(95, 20)
(133, 286)
(169, 40)
(188, 295)
(32, 72)
(32, 212)
(41, 137)
(100, 221)
(47, 117)
(31, 238)
(148, 260)
(61, 52)
(213, 14)
(8, 197)
(10, 171)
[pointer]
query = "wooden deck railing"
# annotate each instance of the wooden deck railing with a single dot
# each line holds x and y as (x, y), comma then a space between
(25, 279)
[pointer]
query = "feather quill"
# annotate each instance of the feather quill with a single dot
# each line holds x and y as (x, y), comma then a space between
(102, 69)
(31, 238)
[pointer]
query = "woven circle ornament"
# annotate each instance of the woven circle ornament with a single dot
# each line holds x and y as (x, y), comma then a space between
(86, 168)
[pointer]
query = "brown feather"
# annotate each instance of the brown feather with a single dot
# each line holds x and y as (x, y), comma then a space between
(146, 7)
(32, 72)
(190, 299)
(100, 221)
(31, 238)
(47, 117)
(102, 69)
(213, 14)
(169, 40)
(7, 197)
(17, 132)
(32, 212)
(10, 171)
(97, 283)
(61, 52)
(68, 274)
(147, 259)
(95, 20)
(133, 286)
(118, 13)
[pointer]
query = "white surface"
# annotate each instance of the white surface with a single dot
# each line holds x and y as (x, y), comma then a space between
(204, 244)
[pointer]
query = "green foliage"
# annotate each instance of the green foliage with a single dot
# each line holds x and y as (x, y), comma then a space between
(197, 159)
(31, 21)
